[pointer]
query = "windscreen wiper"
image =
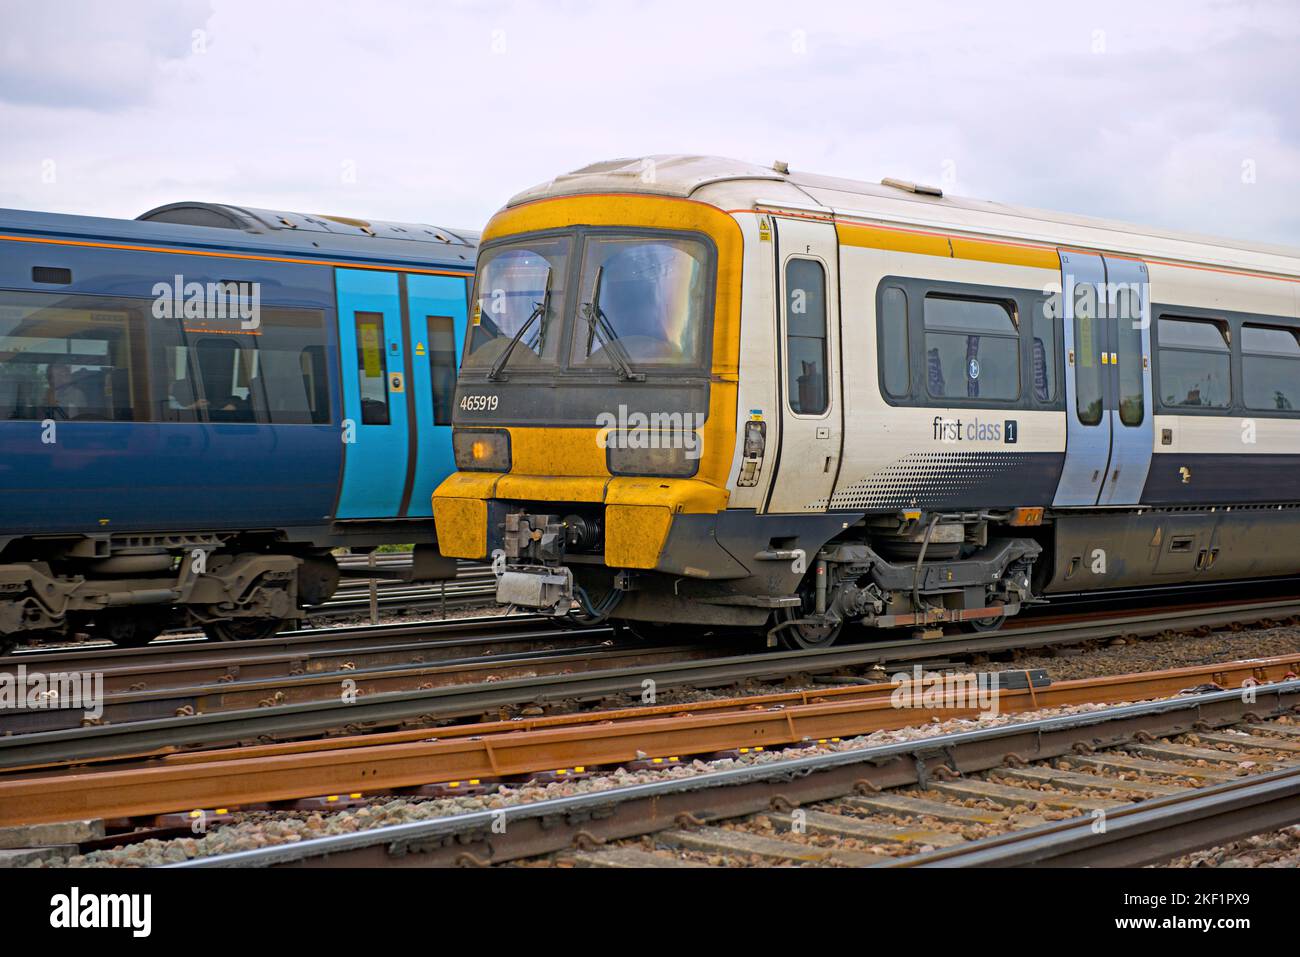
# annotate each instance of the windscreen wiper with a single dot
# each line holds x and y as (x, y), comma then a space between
(539, 310)
(598, 324)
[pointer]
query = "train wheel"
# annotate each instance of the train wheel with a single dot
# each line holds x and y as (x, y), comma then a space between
(243, 629)
(984, 625)
(796, 636)
(131, 628)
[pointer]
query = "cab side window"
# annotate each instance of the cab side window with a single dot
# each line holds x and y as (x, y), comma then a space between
(807, 384)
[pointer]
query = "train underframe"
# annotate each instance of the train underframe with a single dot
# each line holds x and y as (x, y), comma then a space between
(801, 579)
(128, 589)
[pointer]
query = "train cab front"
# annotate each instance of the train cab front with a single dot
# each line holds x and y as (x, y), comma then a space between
(596, 404)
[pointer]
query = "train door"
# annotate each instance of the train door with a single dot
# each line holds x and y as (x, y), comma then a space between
(436, 307)
(376, 423)
(1132, 430)
(807, 257)
(1109, 426)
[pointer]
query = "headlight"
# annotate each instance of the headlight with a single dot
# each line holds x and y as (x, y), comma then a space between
(481, 450)
(632, 453)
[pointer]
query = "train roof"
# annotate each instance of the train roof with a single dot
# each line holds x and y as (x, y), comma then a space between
(735, 184)
(215, 226)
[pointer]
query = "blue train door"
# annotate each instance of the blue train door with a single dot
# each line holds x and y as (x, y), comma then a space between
(376, 424)
(436, 311)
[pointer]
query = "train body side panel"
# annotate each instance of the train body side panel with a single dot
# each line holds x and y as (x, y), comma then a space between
(110, 476)
(919, 452)
(1221, 455)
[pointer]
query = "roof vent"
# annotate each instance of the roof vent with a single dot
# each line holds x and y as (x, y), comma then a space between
(911, 187)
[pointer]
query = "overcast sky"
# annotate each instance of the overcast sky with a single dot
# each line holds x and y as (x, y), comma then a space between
(1180, 114)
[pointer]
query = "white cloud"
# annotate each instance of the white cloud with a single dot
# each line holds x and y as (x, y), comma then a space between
(1139, 112)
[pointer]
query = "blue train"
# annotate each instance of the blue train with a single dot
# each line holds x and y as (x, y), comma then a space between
(198, 405)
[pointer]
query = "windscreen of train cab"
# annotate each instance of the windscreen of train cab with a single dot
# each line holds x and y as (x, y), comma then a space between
(593, 303)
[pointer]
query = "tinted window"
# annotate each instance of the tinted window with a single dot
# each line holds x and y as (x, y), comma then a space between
(513, 282)
(372, 368)
(442, 367)
(805, 323)
(272, 373)
(1128, 326)
(288, 374)
(1044, 355)
(1270, 368)
(1089, 346)
(972, 349)
(1194, 364)
(894, 353)
(72, 357)
(643, 298)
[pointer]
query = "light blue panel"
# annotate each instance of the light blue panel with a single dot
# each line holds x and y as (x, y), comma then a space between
(1087, 447)
(431, 296)
(374, 466)
(1131, 446)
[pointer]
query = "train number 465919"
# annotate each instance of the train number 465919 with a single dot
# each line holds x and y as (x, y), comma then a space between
(479, 403)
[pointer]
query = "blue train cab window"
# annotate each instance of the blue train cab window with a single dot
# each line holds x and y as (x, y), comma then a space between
(71, 357)
(372, 368)
(442, 367)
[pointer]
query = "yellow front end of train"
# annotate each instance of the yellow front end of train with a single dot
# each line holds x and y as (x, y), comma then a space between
(597, 397)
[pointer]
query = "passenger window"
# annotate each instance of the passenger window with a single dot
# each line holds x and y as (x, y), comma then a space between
(290, 381)
(1128, 326)
(895, 363)
(1195, 371)
(1089, 347)
(312, 363)
(372, 368)
(274, 372)
(442, 367)
(805, 332)
(972, 349)
(1043, 355)
(1270, 368)
(71, 357)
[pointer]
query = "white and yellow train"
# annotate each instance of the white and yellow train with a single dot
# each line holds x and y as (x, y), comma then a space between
(701, 392)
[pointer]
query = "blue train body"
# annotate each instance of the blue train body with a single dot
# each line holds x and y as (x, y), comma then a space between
(197, 405)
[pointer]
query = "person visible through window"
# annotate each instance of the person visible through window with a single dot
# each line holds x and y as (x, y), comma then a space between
(64, 399)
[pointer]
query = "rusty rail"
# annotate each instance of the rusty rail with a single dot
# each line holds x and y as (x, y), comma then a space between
(541, 827)
(239, 778)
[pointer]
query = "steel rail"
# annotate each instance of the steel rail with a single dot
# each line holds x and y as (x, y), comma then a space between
(542, 827)
(240, 780)
(328, 685)
(1138, 834)
(99, 741)
(300, 639)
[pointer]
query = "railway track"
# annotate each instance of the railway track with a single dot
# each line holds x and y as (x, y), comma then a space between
(244, 707)
(499, 750)
(1129, 785)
